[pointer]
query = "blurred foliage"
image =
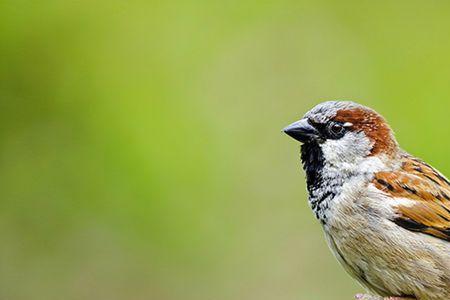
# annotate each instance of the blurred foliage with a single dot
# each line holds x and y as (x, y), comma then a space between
(141, 153)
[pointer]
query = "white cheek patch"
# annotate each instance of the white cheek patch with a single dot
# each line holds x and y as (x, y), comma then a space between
(353, 146)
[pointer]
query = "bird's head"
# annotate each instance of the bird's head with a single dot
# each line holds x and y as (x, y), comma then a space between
(343, 132)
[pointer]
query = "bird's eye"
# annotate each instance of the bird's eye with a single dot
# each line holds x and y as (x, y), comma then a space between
(337, 130)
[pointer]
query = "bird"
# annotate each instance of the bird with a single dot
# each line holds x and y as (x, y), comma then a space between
(385, 213)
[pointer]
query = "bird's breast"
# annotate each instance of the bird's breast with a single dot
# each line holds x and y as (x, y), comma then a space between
(383, 257)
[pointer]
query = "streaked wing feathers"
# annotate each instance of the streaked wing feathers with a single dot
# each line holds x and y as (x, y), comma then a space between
(429, 192)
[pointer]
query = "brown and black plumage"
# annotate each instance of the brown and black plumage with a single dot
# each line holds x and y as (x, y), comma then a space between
(385, 213)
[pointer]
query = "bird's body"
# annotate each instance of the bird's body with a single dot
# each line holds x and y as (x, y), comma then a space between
(384, 257)
(386, 214)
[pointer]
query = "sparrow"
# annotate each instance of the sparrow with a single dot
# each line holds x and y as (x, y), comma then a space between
(384, 212)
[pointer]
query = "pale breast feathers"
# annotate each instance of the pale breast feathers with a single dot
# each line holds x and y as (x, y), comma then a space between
(428, 192)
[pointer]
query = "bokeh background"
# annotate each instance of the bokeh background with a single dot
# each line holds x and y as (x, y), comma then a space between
(140, 147)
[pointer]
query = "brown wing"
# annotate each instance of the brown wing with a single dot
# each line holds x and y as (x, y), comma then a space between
(429, 192)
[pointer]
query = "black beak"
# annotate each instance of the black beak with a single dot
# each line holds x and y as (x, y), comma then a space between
(302, 131)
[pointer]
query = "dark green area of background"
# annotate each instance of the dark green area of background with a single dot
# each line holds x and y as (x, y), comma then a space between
(140, 147)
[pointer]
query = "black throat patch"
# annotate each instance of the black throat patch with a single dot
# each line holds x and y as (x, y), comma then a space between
(322, 189)
(313, 163)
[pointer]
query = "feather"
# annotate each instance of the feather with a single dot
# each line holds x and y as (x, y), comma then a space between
(428, 192)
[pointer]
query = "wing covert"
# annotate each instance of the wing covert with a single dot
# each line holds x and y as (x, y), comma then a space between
(429, 193)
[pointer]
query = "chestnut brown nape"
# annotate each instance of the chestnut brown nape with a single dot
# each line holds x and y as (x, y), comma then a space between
(373, 125)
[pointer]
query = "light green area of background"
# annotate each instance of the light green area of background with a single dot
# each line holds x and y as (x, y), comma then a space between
(140, 146)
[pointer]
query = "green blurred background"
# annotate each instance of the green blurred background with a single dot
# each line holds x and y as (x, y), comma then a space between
(140, 146)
